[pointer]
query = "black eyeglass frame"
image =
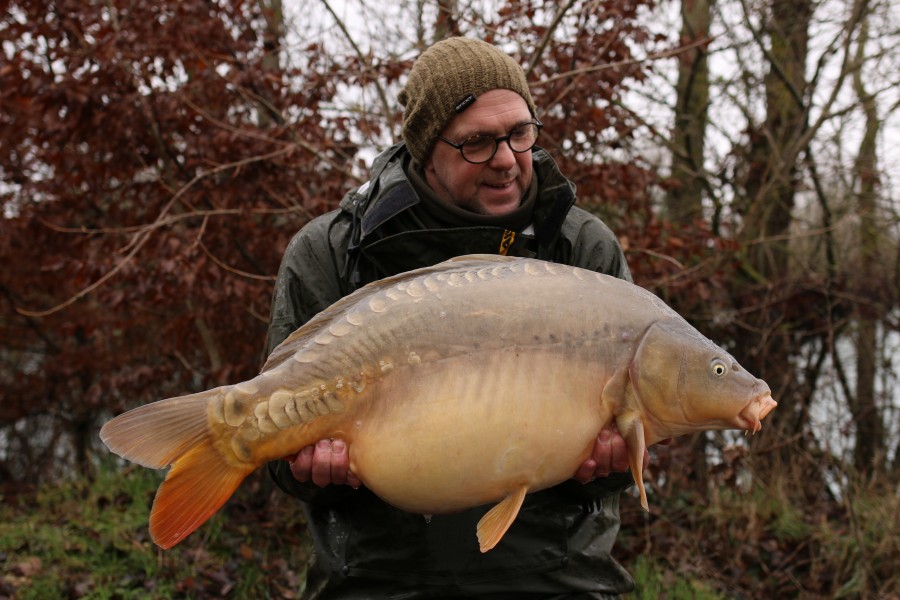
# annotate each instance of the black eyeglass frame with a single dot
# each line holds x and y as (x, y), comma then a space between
(504, 138)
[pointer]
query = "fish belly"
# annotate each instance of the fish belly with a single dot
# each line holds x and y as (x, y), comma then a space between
(464, 431)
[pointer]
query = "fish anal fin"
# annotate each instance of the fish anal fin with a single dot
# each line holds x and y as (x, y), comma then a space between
(199, 483)
(632, 430)
(494, 524)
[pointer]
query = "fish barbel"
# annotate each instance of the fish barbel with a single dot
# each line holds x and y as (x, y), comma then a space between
(475, 381)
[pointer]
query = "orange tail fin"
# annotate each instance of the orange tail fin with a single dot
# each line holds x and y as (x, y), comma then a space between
(176, 432)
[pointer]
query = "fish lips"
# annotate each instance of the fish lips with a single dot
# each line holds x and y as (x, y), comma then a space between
(751, 416)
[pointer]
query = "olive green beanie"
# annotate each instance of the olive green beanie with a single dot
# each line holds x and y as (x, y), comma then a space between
(446, 79)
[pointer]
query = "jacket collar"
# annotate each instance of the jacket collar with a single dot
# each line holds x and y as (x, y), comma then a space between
(389, 192)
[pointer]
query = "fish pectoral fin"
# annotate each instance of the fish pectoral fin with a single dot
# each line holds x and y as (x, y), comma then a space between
(495, 522)
(632, 430)
(197, 486)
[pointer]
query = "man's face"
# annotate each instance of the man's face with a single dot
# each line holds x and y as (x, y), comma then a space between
(492, 188)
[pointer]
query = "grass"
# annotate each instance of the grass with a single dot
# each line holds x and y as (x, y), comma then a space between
(89, 539)
(655, 581)
(767, 542)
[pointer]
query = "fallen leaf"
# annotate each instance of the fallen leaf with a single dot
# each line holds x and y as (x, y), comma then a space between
(29, 567)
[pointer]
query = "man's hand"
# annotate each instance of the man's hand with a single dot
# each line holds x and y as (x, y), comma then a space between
(325, 463)
(609, 456)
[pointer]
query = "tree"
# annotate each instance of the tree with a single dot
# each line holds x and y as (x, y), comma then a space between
(870, 448)
(770, 187)
(688, 180)
(156, 159)
(149, 187)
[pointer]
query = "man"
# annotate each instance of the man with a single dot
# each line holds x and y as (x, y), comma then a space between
(467, 178)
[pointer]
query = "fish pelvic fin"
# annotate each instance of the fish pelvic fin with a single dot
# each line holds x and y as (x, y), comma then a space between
(175, 432)
(632, 430)
(494, 524)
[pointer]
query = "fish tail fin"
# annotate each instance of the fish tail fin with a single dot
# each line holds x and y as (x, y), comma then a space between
(199, 483)
(155, 435)
(176, 432)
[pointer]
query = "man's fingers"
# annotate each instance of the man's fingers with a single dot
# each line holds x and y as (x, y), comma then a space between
(603, 454)
(301, 466)
(585, 473)
(609, 455)
(340, 462)
(325, 463)
(321, 464)
(618, 454)
(340, 465)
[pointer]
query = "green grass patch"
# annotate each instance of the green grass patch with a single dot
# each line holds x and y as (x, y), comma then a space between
(90, 539)
(771, 541)
(654, 580)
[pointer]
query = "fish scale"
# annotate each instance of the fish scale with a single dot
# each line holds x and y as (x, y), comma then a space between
(475, 381)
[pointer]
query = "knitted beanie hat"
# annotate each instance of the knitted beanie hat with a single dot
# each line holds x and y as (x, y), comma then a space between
(446, 79)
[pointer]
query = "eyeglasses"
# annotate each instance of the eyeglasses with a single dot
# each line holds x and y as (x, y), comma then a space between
(479, 149)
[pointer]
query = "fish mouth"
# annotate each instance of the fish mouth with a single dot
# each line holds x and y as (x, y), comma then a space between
(749, 418)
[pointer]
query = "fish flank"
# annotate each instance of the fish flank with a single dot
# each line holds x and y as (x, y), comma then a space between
(278, 409)
(305, 356)
(340, 328)
(233, 407)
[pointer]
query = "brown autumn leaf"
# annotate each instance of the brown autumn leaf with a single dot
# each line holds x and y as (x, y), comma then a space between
(28, 567)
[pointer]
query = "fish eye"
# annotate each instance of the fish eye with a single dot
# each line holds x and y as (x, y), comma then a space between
(718, 367)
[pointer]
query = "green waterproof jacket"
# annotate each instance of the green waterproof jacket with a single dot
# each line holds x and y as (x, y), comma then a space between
(559, 545)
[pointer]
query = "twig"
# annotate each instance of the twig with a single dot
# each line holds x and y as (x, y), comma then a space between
(386, 107)
(141, 238)
(221, 264)
(267, 138)
(219, 212)
(624, 63)
(542, 46)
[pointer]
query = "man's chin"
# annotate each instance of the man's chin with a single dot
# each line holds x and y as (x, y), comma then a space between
(497, 204)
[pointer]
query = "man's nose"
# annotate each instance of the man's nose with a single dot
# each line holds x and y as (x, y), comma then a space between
(504, 158)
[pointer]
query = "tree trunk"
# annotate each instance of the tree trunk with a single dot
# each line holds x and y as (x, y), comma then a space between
(685, 199)
(273, 35)
(447, 24)
(771, 182)
(869, 450)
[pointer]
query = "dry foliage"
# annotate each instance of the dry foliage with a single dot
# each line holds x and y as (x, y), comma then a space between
(155, 159)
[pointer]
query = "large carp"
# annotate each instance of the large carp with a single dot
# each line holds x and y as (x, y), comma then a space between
(474, 381)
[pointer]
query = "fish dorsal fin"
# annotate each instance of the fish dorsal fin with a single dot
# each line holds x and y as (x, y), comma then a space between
(497, 258)
(632, 429)
(496, 521)
(298, 338)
